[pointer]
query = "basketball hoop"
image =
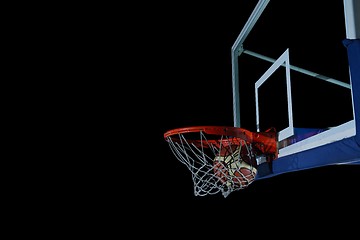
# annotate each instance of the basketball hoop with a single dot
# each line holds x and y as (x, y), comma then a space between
(221, 159)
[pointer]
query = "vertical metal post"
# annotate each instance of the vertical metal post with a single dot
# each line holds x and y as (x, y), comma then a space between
(352, 18)
(236, 50)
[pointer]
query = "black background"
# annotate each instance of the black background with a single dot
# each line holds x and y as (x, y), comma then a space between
(127, 73)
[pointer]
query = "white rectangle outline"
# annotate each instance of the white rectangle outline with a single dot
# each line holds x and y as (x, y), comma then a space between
(284, 58)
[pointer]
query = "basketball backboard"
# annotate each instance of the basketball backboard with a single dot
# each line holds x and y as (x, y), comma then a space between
(297, 81)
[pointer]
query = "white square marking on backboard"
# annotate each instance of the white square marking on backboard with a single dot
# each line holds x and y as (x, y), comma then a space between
(284, 58)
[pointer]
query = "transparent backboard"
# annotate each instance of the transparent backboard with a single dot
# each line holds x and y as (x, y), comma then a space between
(297, 81)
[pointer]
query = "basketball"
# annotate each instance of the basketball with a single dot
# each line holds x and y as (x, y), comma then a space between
(233, 171)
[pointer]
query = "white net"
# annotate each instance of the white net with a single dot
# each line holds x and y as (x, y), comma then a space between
(224, 164)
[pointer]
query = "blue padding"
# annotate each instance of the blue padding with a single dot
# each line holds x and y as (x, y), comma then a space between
(345, 151)
(353, 51)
